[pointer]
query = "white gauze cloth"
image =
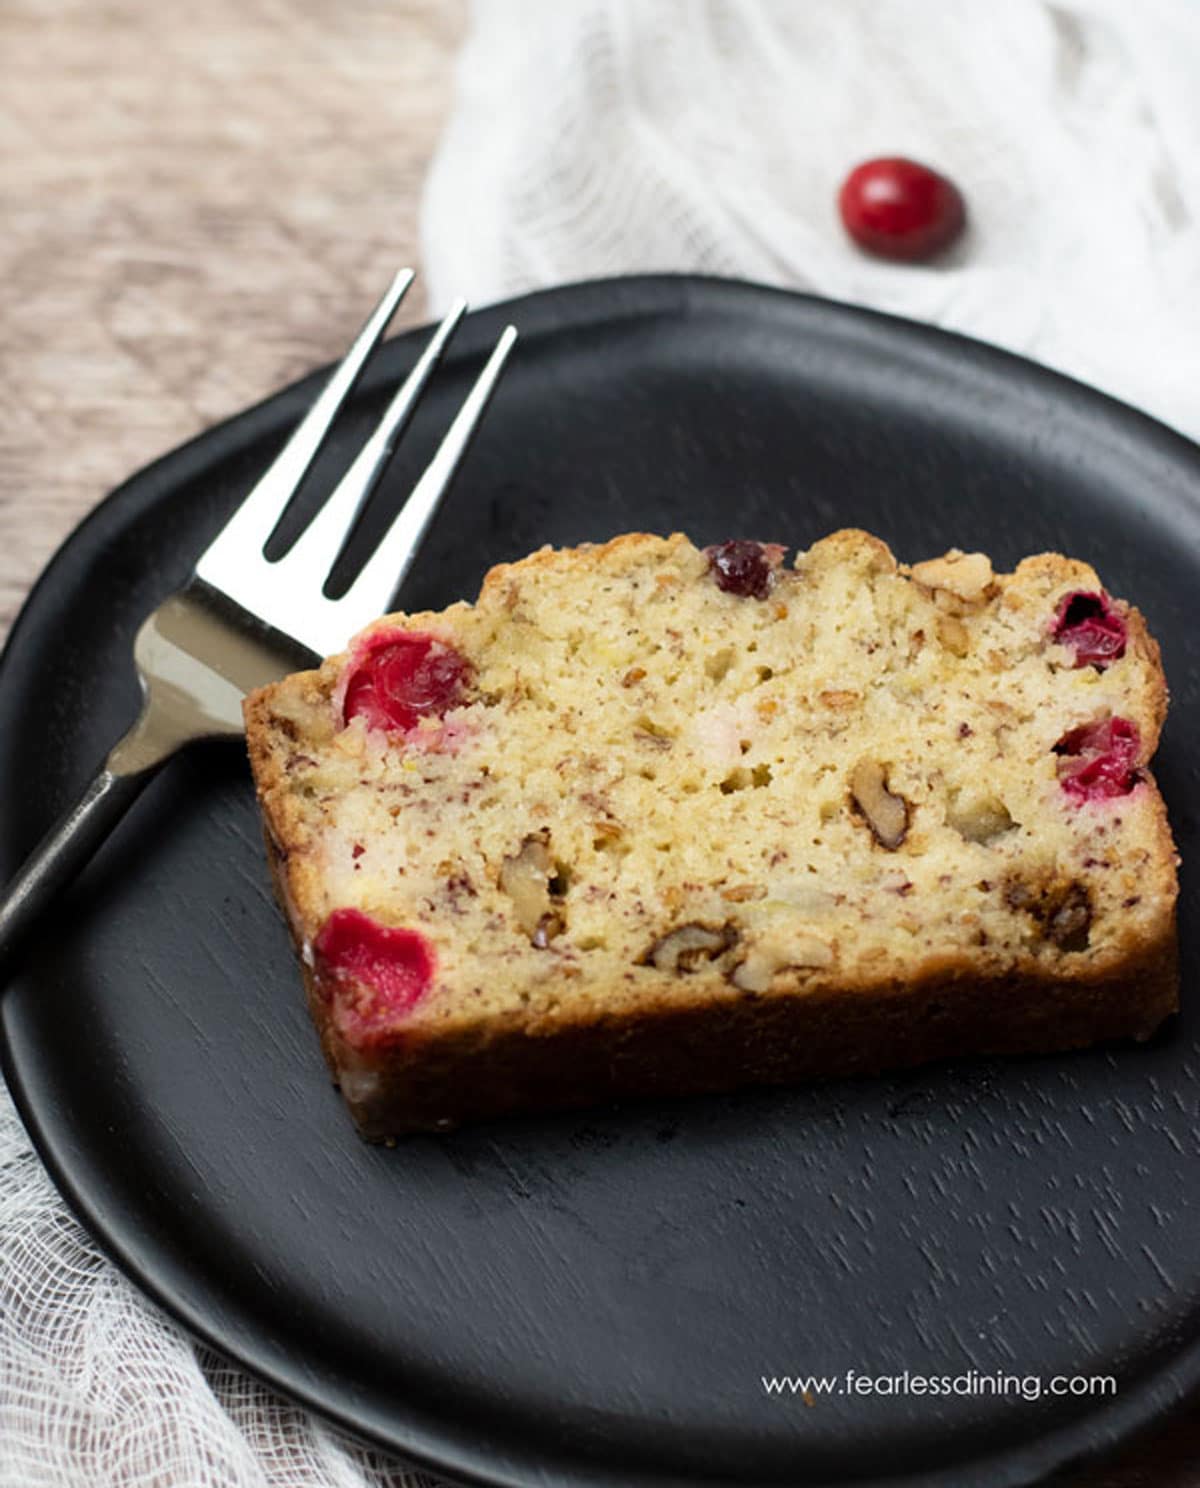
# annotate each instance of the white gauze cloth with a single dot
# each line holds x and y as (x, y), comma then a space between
(609, 136)
(596, 137)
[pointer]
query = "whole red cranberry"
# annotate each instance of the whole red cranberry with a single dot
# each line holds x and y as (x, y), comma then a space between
(373, 973)
(899, 209)
(1099, 760)
(400, 676)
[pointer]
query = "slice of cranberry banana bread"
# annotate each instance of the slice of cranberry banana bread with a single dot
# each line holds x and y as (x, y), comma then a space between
(651, 819)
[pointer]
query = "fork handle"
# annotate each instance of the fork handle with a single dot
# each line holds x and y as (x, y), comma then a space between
(62, 853)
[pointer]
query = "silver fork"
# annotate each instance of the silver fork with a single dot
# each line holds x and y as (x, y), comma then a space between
(242, 620)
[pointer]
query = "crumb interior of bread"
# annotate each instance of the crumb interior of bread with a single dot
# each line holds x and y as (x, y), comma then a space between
(687, 760)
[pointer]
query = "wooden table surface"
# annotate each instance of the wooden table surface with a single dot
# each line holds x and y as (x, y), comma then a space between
(198, 203)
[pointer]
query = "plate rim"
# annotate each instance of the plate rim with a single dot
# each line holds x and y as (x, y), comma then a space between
(1148, 1401)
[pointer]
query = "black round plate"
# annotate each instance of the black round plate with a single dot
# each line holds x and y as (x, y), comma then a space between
(595, 1299)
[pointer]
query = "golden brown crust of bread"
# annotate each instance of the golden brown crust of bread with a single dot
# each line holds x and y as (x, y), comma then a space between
(642, 1034)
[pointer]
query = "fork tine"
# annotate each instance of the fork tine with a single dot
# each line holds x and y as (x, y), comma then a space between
(251, 525)
(311, 557)
(384, 572)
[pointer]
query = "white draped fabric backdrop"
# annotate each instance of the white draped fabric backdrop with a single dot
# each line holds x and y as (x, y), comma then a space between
(608, 136)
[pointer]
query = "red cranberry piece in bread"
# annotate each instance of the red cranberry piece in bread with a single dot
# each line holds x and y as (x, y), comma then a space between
(744, 568)
(401, 677)
(1090, 624)
(374, 974)
(1099, 760)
